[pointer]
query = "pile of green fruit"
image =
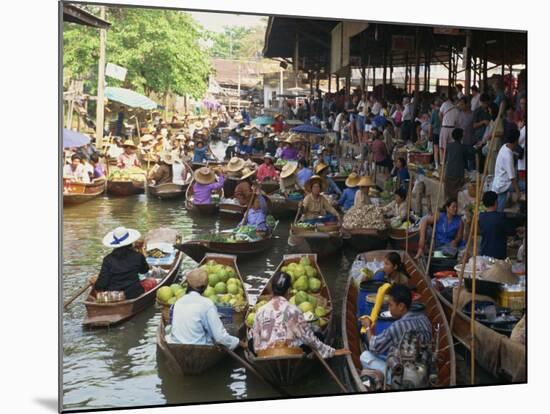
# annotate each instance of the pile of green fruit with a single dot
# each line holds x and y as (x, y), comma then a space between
(280, 163)
(305, 225)
(224, 287)
(127, 174)
(168, 295)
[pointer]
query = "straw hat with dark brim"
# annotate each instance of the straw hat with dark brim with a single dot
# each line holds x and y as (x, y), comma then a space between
(366, 181)
(167, 158)
(147, 138)
(129, 143)
(320, 167)
(316, 179)
(288, 170)
(500, 272)
(235, 164)
(247, 172)
(259, 135)
(204, 176)
(353, 180)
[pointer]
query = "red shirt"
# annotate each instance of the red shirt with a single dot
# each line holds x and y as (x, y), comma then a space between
(278, 126)
(265, 171)
(379, 150)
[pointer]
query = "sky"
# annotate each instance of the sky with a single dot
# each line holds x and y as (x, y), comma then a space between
(216, 21)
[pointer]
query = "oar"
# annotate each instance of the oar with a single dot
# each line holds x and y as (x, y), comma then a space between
(253, 370)
(330, 371)
(245, 215)
(77, 294)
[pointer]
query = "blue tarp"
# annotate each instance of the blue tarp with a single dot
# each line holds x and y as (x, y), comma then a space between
(307, 129)
(73, 139)
(129, 98)
(263, 120)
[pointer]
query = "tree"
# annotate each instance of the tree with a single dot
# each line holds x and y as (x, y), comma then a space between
(228, 44)
(160, 49)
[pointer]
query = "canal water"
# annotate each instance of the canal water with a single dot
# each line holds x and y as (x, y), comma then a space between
(118, 367)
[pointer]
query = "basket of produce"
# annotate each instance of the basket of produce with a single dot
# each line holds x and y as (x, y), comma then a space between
(167, 296)
(303, 228)
(364, 217)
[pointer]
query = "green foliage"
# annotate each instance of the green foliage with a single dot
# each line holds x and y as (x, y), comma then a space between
(160, 48)
(228, 44)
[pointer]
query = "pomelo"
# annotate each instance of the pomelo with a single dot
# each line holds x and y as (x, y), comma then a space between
(301, 297)
(213, 279)
(220, 288)
(305, 261)
(313, 300)
(172, 300)
(232, 288)
(301, 283)
(305, 307)
(250, 319)
(214, 298)
(310, 271)
(314, 285)
(174, 287)
(164, 294)
(320, 311)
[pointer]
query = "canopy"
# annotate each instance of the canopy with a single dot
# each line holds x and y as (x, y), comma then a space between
(307, 129)
(263, 120)
(129, 98)
(73, 139)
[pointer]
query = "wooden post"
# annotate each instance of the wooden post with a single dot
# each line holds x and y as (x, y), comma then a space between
(475, 71)
(485, 68)
(384, 73)
(330, 82)
(100, 107)
(473, 312)
(391, 67)
(468, 58)
(373, 77)
(450, 74)
(406, 72)
(337, 83)
(363, 77)
(416, 72)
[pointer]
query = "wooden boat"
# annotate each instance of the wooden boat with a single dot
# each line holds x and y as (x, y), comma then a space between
(109, 314)
(398, 239)
(195, 359)
(434, 311)
(197, 165)
(282, 207)
(77, 193)
(269, 186)
(197, 249)
(322, 240)
(125, 188)
(284, 365)
(201, 209)
(167, 190)
(365, 240)
(231, 210)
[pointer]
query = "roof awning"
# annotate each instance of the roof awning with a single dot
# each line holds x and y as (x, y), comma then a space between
(77, 15)
(129, 98)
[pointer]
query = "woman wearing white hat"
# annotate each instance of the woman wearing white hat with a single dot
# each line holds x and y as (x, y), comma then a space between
(121, 268)
(129, 157)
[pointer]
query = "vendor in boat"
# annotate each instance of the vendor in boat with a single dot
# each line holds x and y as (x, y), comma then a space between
(115, 149)
(257, 214)
(258, 146)
(205, 183)
(280, 324)
(99, 170)
(394, 270)
(200, 153)
(271, 146)
(322, 169)
(362, 196)
(448, 230)
(401, 172)
(121, 269)
(146, 145)
(267, 170)
(304, 173)
(397, 209)
(162, 172)
(243, 191)
(129, 157)
(287, 182)
(289, 153)
(178, 149)
(195, 318)
(75, 171)
(399, 304)
(494, 227)
(348, 196)
(316, 207)
(234, 167)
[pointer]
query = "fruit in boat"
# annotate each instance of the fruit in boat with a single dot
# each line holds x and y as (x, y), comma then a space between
(301, 297)
(213, 279)
(304, 261)
(232, 289)
(305, 307)
(220, 288)
(214, 298)
(314, 285)
(209, 291)
(164, 294)
(250, 319)
(320, 311)
(301, 283)
(172, 300)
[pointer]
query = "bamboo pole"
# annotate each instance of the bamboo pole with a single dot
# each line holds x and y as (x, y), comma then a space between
(436, 213)
(473, 313)
(409, 196)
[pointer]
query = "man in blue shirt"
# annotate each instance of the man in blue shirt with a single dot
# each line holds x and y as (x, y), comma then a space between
(304, 173)
(348, 196)
(322, 169)
(494, 228)
(195, 319)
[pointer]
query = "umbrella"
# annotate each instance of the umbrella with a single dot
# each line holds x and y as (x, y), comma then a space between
(293, 122)
(73, 139)
(263, 120)
(129, 98)
(307, 129)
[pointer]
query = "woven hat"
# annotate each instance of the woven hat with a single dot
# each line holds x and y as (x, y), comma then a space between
(273, 134)
(167, 157)
(320, 167)
(191, 144)
(204, 175)
(235, 164)
(366, 181)
(129, 143)
(198, 125)
(316, 179)
(120, 237)
(268, 155)
(248, 128)
(181, 137)
(247, 172)
(197, 278)
(500, 272)
(259, 135)
(353, 180)
(288, 170)
(147, 138)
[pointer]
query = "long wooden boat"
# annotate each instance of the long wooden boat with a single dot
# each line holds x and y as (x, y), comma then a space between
(196, 359)
(231, 210)
(283, 366)
(428, 297)
(109, 314)
(197, 249)
(269, 186)
(125, 188)
(398, 239)
(197, 165)
(201, 209)
(167, 190)
(282, 207)
(77, 193)
(504, 359)
(365, 240)
(322, 240)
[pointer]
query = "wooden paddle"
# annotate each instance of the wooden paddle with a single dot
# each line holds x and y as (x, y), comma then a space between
(409, 197)
(330, 371)
(249, 367)
(245, 215)
(77, 294)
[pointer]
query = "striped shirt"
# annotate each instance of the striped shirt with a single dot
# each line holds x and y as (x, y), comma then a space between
(390, 338)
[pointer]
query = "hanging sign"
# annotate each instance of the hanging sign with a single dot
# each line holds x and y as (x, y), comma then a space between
(115, 71)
